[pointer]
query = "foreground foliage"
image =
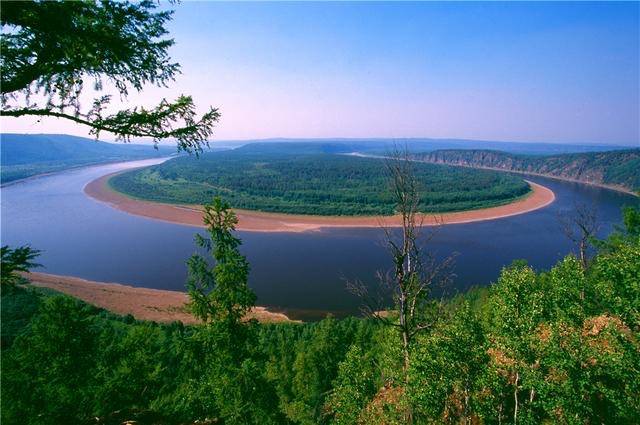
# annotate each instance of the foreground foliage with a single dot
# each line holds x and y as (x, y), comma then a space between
(52, 51)
(294, 178)
(559, 346)
(15, 261)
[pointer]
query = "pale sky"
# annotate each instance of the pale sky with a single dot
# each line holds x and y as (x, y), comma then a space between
(548, 72)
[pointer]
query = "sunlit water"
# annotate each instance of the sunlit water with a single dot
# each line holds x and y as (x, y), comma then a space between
(302, 274)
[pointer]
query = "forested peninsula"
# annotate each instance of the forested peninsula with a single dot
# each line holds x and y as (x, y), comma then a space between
(302, 179)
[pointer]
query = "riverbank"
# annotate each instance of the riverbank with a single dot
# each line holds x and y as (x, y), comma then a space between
(142, 303)
(256, 221)
(615, 188)
(4, 184)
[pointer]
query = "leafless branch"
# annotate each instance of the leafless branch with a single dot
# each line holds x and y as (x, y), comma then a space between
(415, 271)
(580, 226)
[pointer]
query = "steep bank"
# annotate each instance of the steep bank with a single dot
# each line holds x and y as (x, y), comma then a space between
(618, 170)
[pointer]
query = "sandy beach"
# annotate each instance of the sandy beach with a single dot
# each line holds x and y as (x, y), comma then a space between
(255, 221)
(142, 303)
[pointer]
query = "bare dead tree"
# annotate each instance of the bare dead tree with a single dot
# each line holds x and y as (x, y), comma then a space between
(415, 270)
(580, 226)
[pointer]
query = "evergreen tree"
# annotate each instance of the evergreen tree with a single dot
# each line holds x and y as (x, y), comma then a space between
(53, 50)
(14, 261)
(230, 384)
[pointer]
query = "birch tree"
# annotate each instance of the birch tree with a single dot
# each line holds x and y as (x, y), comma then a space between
(415, 271)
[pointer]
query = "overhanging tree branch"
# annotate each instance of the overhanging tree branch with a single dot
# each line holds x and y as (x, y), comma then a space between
(155, 124)
(49, 49)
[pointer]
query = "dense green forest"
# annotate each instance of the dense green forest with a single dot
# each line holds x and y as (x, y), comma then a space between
(619, 168)
(560, 346)
(26, 155)
(309, 179)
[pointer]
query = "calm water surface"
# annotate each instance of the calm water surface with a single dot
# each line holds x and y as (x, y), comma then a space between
(302, 274)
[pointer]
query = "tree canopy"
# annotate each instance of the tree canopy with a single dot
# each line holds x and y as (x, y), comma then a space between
(317, 183)
(52, 50)
(559, 346)
(220, 293)
(15, 260)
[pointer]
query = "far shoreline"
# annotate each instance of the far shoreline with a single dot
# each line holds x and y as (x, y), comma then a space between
(77, 167)
(614, 188)
(256, 221)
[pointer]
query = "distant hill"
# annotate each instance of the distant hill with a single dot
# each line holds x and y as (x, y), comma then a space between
(300, 148)
(25, 155)
(618, 169)
(381, 146)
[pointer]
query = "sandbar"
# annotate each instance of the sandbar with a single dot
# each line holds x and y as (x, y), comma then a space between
(142, 303)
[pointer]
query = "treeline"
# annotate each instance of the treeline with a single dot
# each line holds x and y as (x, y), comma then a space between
(560, 346)
(67, 362)
(299, 182)
(619, 168)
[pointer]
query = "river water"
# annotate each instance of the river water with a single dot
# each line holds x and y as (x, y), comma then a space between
(302, 274)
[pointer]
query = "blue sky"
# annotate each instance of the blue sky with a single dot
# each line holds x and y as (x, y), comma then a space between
(554, 72)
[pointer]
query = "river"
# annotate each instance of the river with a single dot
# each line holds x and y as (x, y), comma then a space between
(301, 274)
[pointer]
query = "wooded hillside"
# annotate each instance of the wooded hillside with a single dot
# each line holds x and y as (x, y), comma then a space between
(559, 346)
(620, 168)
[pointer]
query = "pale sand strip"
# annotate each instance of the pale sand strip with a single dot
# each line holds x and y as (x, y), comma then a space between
(142, 303)
(275, 222)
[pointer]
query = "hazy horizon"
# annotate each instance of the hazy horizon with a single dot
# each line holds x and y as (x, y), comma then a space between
(565, 73)
(214, 142)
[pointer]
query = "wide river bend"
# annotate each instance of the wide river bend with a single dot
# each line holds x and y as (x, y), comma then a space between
(301, 274)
